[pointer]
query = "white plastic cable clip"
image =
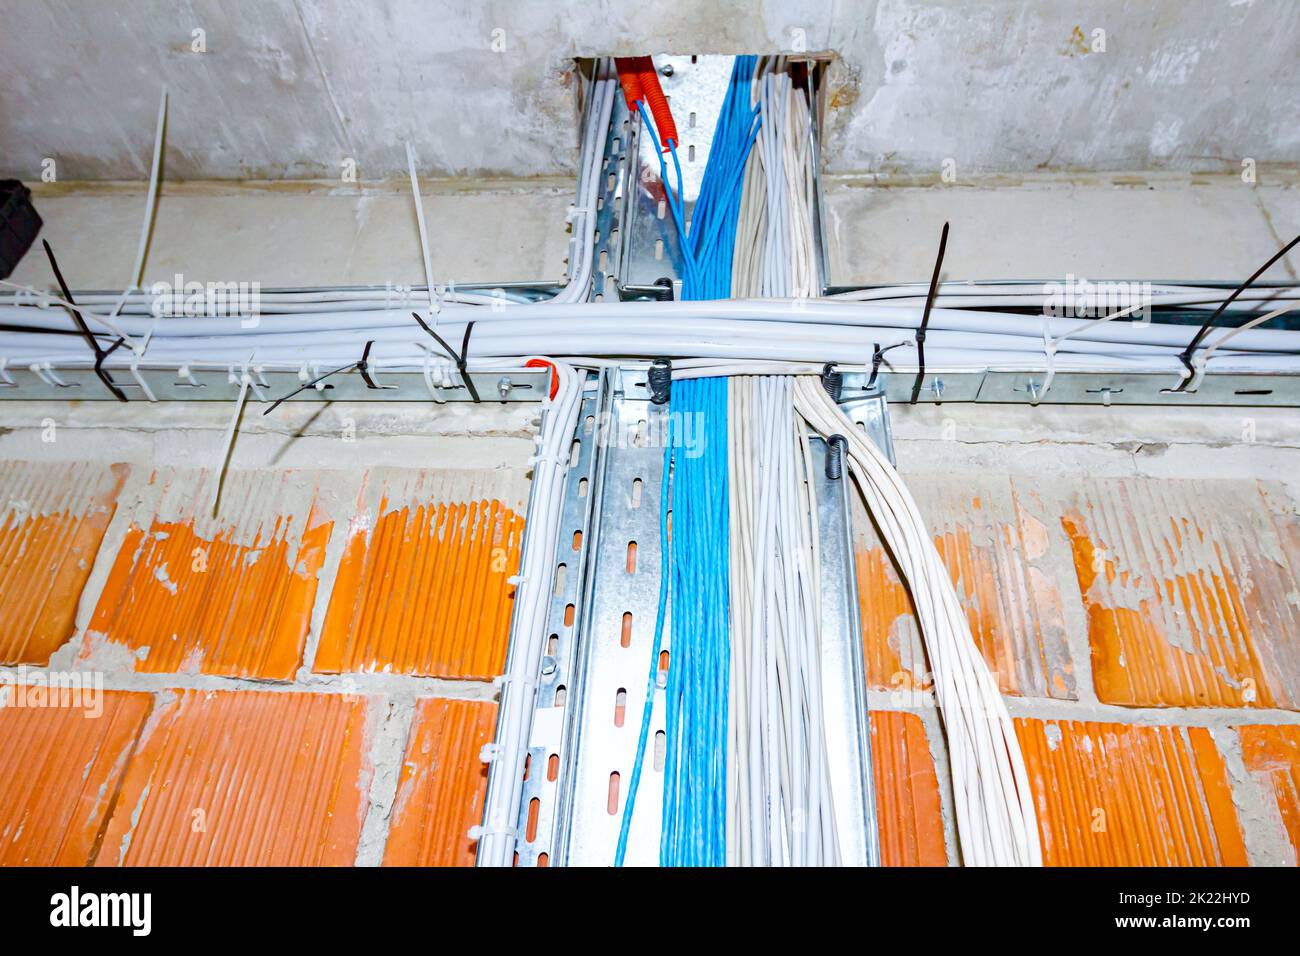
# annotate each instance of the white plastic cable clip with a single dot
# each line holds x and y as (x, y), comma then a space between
(316, 377)
(501, 680)
(490, 752)
(256, 384)
(574, 211)
(477, 832)
(555, 461)
(45, 372)
(428, 380)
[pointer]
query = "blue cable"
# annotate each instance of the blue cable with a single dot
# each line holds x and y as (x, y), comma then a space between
(717, 210)
(708, 247)
(674, 201)
(695, 777)
(695, 563)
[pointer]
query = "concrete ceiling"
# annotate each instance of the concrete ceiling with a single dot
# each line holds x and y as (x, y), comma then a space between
(292, 89)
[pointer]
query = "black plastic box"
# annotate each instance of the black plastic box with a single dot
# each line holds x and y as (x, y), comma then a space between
(19, 224)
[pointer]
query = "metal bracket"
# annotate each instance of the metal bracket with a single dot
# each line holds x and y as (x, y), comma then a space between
(844, 683)
(620, 597)
(197, 384)
(868, 408)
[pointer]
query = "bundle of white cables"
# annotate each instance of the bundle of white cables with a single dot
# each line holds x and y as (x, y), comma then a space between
(779, 805)
(533, 587)
(535, 582)
(776, 251)
(995, 810)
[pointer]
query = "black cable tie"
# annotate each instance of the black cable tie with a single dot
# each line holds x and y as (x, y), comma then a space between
(312, 384)
(925, 317)
(461, 363)
(459, 359)
(364, 366)
(1186, 356)
(99, 361)
(877, 356)
(100, 354)
(877, 359)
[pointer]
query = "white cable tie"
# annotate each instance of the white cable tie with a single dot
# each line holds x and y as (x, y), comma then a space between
(245, 379)
(490, 752)
(139, 379)
(137, 271)
(477, 832)
(515, 580)
(185, 373)
(1199, 361)
(143, 346)
(229, 443)
(424, 235)
(556, 461)
(501, 680)
(428, 380)
(1049, 352)
(574, 211)
(6, 381)
(258, 382)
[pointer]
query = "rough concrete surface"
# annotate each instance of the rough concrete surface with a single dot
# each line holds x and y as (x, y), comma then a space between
(298, 88)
